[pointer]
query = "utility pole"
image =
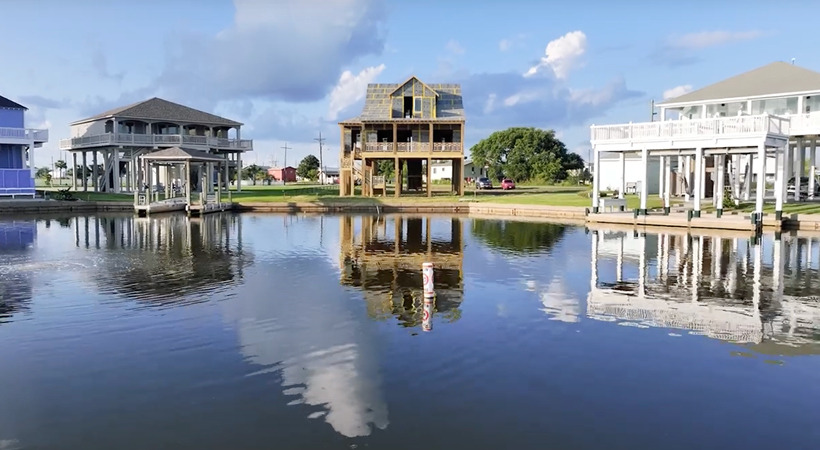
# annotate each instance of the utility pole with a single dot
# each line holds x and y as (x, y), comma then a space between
(285, 166)
(321, 166)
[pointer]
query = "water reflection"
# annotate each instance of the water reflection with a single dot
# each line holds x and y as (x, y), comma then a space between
(166, 258)
(516, 236)
(382, 256)
(16, 238)
(757, 291)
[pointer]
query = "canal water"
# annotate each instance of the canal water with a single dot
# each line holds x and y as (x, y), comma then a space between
(270, 331)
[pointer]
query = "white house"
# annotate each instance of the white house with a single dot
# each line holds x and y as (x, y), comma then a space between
(329, 176)
(732, 131)
(441, 170)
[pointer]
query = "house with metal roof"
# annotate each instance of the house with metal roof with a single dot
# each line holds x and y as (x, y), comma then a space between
(17, 144)
(122, 134)
(411, 124)
(728, 137)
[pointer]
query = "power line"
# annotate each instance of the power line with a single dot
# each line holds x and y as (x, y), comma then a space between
(321, 166)
(285, 166)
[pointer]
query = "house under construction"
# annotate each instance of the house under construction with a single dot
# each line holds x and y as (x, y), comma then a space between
(410, 124)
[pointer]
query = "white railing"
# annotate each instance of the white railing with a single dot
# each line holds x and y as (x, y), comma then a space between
(154, 139)
(803, 124)
(446, 146)
(719, 126)
(24, 134)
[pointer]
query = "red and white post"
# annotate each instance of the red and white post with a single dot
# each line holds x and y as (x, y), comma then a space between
(427, 276)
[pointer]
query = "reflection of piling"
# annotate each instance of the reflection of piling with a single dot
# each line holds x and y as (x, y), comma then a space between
(429, 296)
(427, 318)
(427, 276)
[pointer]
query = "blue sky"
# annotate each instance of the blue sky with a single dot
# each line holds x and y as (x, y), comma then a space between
(290, 69)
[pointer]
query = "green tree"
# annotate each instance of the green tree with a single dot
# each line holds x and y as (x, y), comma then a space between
(387, 168)
(254, 173)
(44, 173)
(308, 168)
(60, 165)
(525, 154)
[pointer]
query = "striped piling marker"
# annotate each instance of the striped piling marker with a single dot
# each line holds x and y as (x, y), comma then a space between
(427, 277)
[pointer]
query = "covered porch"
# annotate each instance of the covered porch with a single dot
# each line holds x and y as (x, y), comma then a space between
(193, 182)
(740, 149)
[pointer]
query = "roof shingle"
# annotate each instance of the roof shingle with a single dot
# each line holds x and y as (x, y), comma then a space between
(159, 109)
(771, 79)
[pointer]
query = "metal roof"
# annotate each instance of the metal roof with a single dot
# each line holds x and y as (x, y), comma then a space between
(182, 154)
(772, 79)
(157, 109)
(6, 103)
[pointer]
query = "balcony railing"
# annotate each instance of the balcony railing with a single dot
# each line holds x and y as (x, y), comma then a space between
(154, 139)
(409, 147)
(718, 127)
(24, 134)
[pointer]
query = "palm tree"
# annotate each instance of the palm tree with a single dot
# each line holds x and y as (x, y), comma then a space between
(60, 165)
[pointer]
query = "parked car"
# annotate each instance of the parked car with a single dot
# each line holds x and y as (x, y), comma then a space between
(483, 183)
(804, 184)
(507, 183)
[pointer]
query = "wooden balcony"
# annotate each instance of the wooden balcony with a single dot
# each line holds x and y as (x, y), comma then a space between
(411, 147)
(736, 131)
(155, 140)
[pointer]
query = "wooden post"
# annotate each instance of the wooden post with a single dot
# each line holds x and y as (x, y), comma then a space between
(187, 180)
(398, 177)
(430, 173)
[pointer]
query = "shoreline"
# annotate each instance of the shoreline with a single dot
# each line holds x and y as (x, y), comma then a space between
(573, 214)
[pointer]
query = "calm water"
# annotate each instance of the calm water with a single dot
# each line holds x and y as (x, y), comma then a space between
(266, 331)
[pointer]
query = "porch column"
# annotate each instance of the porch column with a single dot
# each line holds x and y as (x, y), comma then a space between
(115, 170)
(747, 186)
(239, 170)
(430, 173)
(687, 167)
(788, 164)
(812, 167)
(74, 171)
(699, 172)
(662, 176)
(667, 184)
(397, 171)
(780, 181)
(644, 179)
(736, 178)
(622, 179)
(94, 176)
(761, 181)
(85, 172)
(596, 179)
(226, 177)
(800, 168)
(720, 168)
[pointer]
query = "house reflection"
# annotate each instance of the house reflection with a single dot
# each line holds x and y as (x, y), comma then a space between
(16, 238)
(382, 256)
(165, 258)
(752, 290)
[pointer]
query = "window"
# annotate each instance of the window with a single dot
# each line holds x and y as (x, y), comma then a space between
(811, 104)
(417, 105)
(775, 106)
(434, 170)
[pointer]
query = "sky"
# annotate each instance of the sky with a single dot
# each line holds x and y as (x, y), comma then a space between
(290, 70)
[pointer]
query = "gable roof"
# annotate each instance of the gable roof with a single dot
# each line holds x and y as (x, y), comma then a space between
(182, 154)
(772, 79)
(159, 109)
(6, 103)
(412, 77)
(378, 104)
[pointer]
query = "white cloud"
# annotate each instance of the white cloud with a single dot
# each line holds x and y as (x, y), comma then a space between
(562, 54)
(351, 89)
(454, 47)
(277, 50)
(704, 39)
(504, 45)
(677, 91)
(489, 106)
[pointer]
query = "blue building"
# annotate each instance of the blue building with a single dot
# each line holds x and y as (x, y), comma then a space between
(16, 150)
